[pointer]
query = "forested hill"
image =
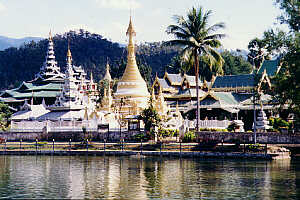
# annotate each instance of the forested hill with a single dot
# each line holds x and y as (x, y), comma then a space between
(92, 52)
(89, 50)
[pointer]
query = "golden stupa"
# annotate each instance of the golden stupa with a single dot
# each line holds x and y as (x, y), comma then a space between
(132, 88)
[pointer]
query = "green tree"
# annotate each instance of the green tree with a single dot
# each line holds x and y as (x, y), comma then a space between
(256, 54)
(5, 115)
(287, 82)
(291, 15)
(195, 36)
(150, 117)
(235, 64)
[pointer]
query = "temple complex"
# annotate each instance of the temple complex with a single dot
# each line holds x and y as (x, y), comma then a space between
(68, 101)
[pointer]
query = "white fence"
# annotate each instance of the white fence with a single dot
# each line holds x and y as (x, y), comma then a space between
(69, 126)
(53, 126)
(217, 124)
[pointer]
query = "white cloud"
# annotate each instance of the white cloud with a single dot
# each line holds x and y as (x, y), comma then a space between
(2, 7)
(119, 4)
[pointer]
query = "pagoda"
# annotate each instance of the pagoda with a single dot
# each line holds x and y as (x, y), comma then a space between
(132, 93)
(107, 100)
(50, 71)
(45, 86)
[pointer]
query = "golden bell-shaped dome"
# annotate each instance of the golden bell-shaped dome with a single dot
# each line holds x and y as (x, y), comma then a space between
(132, 83)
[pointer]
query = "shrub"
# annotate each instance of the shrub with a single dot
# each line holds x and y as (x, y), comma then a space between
(213, 129)
(232, 127)
(141, 136)
(189, 137)
(167, 133)
(278, 123)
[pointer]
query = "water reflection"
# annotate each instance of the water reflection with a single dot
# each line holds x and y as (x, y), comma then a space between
(149, 178)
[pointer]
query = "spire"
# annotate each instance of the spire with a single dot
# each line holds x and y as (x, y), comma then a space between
(50, 35)
(107, 74)
(86, 116)
(132, 72)
(153, 95)
(50, 70)
(130, 30)
(132, 84)
(69, 56)
(91, 78)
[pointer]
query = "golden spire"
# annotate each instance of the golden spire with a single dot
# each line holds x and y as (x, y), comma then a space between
(132, 72)
(130, 29)
(50, 35)
(69, 56)
(153, 95)
(132, 84)
(86, 116)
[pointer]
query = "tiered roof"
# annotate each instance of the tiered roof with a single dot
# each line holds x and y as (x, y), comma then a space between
(50, 71)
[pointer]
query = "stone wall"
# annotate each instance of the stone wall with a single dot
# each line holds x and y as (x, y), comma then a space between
(66, 136)
(248, 137)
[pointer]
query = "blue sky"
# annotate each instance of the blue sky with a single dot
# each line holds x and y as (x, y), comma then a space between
(244, 19)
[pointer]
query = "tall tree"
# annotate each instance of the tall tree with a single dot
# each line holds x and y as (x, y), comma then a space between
(291, 16)
(195, 36)
(235, 64)
(287, 83)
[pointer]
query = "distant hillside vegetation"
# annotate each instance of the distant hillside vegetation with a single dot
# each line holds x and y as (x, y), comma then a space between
(89, 50)
(6, 42)
(92, 52)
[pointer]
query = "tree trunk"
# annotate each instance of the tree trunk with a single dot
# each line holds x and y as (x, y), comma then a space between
(197, 89)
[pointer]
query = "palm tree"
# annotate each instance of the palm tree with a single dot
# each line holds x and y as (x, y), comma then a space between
(197, 37)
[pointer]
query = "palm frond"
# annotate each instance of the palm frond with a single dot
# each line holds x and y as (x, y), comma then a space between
(216, 27)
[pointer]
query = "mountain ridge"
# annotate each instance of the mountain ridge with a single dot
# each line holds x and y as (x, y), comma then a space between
(7, 42)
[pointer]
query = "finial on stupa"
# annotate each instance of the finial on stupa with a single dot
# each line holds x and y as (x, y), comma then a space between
(50, 35)
(69, 55)
(130, 30)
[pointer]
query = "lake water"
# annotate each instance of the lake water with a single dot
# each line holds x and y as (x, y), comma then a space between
(148, 178)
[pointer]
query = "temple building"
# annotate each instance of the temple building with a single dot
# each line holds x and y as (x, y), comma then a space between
(132, 94)
(48, 82)
(74, 106)
(228, 97)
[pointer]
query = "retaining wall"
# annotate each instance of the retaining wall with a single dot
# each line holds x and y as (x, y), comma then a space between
(248, 137)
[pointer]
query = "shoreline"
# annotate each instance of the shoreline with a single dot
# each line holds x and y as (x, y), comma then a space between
(141, 154)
